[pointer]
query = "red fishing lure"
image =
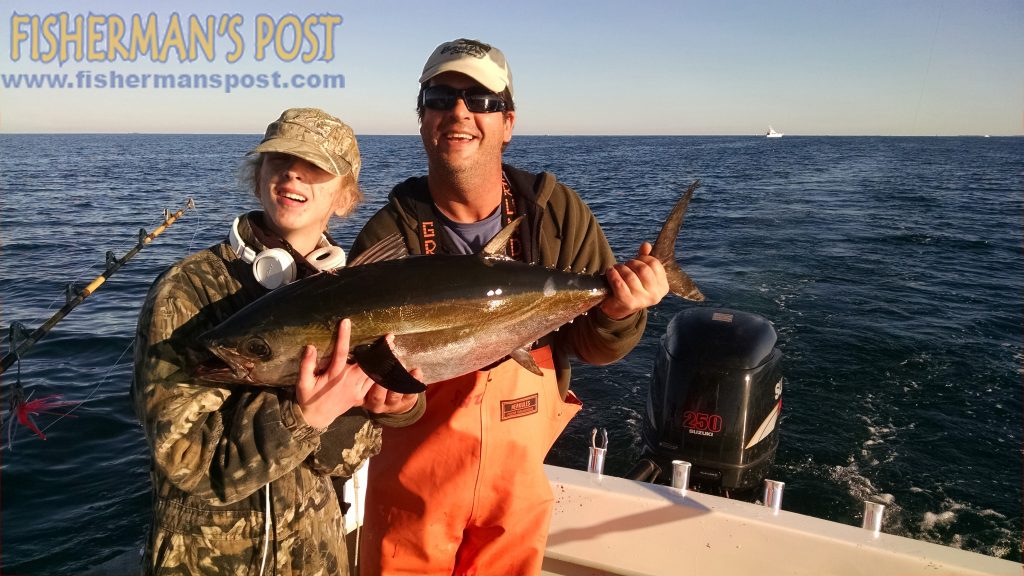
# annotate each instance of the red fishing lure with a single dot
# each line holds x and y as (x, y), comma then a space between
(25, 408)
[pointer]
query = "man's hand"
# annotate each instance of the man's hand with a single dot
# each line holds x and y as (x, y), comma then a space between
(636, 284)
(380, 400)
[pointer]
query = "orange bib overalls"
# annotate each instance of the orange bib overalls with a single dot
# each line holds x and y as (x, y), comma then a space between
(463, 490)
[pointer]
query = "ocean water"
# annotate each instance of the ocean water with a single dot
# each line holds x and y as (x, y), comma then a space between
(891, 268)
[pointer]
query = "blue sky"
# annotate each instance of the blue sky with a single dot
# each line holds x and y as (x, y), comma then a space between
(892, 67)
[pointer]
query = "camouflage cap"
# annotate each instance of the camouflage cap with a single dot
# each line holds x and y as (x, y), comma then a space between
(481, 62)
(314, 136)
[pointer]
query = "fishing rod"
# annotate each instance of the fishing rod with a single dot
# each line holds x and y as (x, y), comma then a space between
(22, 339)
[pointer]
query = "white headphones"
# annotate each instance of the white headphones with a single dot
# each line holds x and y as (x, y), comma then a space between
(275, 267)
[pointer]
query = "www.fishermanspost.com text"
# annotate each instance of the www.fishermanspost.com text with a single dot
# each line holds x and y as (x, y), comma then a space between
(227, 82)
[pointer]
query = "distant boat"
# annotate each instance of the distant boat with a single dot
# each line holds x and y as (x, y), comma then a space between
(772, 133)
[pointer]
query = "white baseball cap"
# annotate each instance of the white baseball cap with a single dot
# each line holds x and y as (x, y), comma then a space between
(481, 62)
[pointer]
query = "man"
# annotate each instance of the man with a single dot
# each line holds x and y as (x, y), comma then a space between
(463, 490)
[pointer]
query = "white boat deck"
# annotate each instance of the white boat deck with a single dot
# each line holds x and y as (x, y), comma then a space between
(609, 525)
(613, 526)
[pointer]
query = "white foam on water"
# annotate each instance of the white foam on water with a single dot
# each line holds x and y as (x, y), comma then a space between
(931, 519)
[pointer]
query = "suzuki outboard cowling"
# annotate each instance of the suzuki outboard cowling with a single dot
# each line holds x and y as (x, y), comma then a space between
(715, 399)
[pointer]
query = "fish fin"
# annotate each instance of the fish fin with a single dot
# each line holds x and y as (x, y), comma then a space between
(679, 283)
(390, 248)
(496, 246)
(379, 362)
(525, 359)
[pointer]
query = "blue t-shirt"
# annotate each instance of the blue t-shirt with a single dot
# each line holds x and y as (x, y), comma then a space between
(472, 237)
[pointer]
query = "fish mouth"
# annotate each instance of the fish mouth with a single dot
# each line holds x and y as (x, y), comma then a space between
(224, 366)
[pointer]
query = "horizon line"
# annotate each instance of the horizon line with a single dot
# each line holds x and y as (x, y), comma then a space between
(552, 135)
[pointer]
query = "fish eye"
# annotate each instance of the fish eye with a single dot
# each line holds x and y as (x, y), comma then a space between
(257, 347)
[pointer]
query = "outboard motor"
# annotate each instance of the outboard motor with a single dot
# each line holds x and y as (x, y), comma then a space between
(715, 400)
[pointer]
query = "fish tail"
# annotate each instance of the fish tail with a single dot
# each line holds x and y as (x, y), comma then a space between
(679, 282)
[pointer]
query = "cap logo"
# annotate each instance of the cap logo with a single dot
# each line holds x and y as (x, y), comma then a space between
(468, 47)
(481, 62)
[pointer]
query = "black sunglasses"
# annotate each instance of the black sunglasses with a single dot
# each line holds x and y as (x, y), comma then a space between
(478, 100)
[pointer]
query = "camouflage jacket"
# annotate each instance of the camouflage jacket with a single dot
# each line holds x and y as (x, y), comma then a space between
(558, 231)
(224, 456)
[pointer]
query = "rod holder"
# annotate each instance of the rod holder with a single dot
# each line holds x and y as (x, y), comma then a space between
(645, 470)
(873, 515)
(773, 495)
(681, 475)
(595, 463)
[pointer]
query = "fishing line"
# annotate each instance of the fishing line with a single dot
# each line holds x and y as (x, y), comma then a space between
(113, 265)
(117, 362)
(21, 339)
(87, 271)
(10, 425)
(195, 233)
(927, 68)
(88, 397)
